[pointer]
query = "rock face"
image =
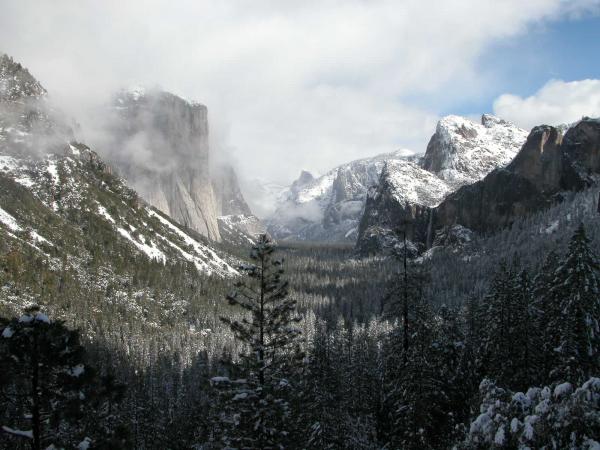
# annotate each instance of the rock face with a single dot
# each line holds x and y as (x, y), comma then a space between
(459, 153)
(237, 224)
(331, 207)
(401, 201)
(16, 83)
(159, 142)
(28, 123)
(547, 164)
(327, 208)
(59, 198)
(462, 152)
(228, 195)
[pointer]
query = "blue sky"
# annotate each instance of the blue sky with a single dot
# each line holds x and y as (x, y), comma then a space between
(567, 50)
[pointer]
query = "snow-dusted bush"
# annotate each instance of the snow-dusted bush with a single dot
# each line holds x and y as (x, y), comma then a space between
(560, 416)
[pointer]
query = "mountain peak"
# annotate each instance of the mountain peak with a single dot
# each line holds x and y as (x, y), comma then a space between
(16, 83)
(462, 151)
(139, 94)
(489, 121)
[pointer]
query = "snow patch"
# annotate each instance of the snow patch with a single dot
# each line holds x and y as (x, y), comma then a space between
(563, 389)
(9, 221)
(149, 250)
(8, 332)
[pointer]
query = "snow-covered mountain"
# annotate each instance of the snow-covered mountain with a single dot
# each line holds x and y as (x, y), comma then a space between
(549, 165)
(329, 207)
(459, 153)
(159, 143)
(462, 152)
(60, 199)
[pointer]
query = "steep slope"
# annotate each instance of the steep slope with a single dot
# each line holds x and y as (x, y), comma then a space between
(79, 190)
(459, 153)
(159, 143)
(547, 165)
(403, 198)
(237, 224)
(16, 83)
(47, 178)
(327, 208)
(462, 152)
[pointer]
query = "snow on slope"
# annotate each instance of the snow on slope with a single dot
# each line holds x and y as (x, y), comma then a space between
(328, 207)
(409, 183)
(69, 182)
(463, 152)
(460, 152)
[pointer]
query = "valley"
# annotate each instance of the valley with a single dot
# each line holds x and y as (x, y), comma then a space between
(447, 299)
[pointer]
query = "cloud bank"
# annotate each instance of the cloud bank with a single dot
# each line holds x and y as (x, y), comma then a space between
(555, 103)
(289, 84)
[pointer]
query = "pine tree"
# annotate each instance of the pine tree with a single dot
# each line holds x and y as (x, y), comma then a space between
(257, 412)
(53, 396)
(544, 308)
(412, 388)
(496, 345)
(576, 290)
(522, 372)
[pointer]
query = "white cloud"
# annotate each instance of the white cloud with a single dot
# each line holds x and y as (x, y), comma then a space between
(289, 84)
(556, 103)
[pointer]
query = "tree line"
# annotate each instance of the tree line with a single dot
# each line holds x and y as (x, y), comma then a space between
(513, 368)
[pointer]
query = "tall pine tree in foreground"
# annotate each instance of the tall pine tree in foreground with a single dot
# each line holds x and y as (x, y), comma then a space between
(51, 397)
(576, 322)
(256, 412)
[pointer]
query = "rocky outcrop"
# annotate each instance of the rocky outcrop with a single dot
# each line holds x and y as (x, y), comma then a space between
(462, 152)
(547, 164)
(28, 123)
(400, 203)
(327, 208)
(237, 224)
(331, 207)
(159, 142)
(16, 83)
(228, 195)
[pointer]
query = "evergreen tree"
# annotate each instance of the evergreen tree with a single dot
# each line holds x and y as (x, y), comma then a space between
(576, 320)
(496, 344)
(509, 329)
(52, 394)
(545, 307)
(522, 334)
(412, 388)
(257, 412)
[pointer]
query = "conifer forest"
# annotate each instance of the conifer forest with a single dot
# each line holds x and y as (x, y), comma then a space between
(299, 225)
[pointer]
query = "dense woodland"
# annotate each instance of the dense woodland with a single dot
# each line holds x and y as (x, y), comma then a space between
(492, 345)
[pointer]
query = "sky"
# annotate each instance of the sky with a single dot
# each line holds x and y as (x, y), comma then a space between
(311, 84)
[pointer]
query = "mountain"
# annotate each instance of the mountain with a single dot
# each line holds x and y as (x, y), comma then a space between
(332, 207)
(237, 224)
(63, 209)
(459, 153)
(327, 208)
(462, 152)
(549, 164)
(159, 143)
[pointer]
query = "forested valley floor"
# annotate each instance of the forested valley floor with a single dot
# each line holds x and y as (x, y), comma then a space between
(495, 345)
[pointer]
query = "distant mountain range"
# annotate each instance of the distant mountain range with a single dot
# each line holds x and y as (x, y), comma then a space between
(472, 178)
(332, 207)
